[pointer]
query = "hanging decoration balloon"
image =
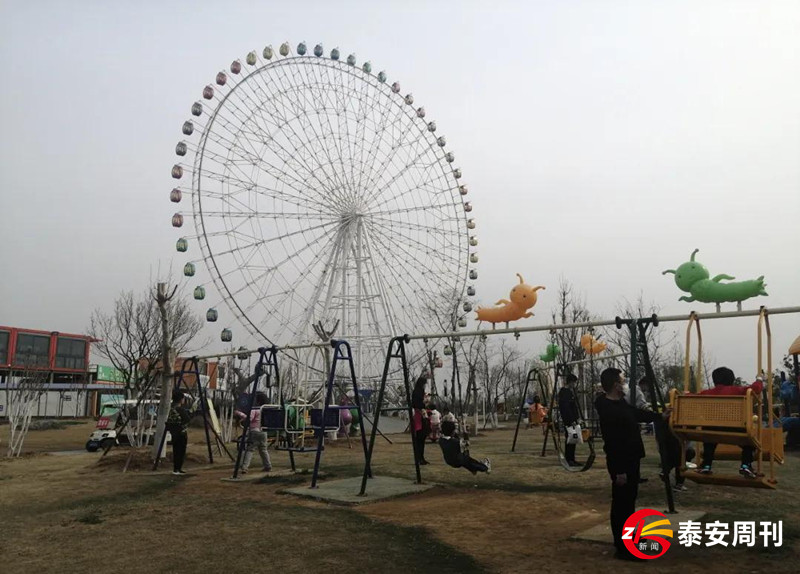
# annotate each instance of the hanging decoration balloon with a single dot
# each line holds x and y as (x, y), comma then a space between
(591, 346)
(523, 297)
(551, 352)
(693, 277)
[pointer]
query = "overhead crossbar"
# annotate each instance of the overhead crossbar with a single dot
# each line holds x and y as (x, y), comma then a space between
(534, 328)
(602, 323)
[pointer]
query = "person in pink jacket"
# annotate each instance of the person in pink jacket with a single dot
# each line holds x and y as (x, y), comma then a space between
(256, 438)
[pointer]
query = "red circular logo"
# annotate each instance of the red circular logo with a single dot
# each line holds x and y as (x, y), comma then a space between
(646, 541)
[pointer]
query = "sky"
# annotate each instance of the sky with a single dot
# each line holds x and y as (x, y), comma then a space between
(602, 142)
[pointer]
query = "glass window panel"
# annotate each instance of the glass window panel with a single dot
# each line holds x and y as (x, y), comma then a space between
(70, 354)
(32, 350)
(4, 337)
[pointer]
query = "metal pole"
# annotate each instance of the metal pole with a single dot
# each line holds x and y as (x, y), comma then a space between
(367, 467)
(603, 323)
(481, 332)
(389, 355)
(592, 358)
(521, 404)
(328, 394)
(411, 410)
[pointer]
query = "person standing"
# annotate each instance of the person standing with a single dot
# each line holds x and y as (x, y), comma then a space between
(788, 394)
(177, 425)
(622, 443)
(420, 426)
(256, 438)
(570, 415)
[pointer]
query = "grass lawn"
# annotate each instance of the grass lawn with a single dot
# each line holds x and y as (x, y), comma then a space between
(76, 514)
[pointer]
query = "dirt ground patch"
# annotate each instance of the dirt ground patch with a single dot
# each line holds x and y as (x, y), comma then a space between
(521, 517)
(72, 437)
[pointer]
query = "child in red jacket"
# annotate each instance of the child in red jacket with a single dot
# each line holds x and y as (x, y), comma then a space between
(724, 380)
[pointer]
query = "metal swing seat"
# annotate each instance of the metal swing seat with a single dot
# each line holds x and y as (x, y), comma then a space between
(733, 420)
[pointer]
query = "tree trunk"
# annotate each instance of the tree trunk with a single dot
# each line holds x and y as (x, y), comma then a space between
(166, 368)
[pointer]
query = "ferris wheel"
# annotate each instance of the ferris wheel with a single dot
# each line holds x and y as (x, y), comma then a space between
(320, 194)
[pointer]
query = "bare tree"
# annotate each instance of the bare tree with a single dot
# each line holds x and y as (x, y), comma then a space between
(133, 338)
(658, 340)
(498, 380)
(446, 310)
(570, 307)
(30, 385)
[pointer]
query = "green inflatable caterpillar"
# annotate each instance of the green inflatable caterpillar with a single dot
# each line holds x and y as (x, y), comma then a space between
(551, 352)
(692, 277)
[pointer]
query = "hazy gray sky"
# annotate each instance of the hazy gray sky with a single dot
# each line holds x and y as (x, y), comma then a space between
(602, 141)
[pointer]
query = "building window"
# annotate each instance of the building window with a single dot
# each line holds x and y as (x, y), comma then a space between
(71, 354)
(4, 337)
(32, 350)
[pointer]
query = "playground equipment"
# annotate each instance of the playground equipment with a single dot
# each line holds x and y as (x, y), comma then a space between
(729, 419)
(291, 421)
(553, 426)
(312, 183)
(191, 367)
(639, 359)
(557, 429)
(693, 277)
(523, 297)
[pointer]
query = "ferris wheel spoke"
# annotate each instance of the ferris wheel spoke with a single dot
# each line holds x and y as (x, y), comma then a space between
(331, 142)
(401, 165)
(270, 215)
(418, 208)
(249, 185)
(289, 158)
(360, 113)
(393, 314)
(399, 250)
(284, 121)
(264, 166)
(396, 142)
(386, 120)
(438, 189)
(434, 228)
(403, 169)
(299, 115)
(429, 259)
(271, 271)
(262, 242)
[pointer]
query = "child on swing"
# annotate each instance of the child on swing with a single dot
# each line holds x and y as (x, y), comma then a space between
(455, 456)
(435, 417)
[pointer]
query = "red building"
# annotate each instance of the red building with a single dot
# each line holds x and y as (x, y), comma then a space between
(64, 355)
(61, 359)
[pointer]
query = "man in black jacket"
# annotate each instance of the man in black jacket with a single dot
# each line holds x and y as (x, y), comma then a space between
(622, 443)
(570, 414)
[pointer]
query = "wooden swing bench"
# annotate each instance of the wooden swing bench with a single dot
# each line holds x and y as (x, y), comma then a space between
(727, 420)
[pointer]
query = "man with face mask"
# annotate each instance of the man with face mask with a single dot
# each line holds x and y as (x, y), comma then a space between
(622, 443)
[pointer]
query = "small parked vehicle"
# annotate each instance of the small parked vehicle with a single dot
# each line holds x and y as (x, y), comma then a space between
(112, 418)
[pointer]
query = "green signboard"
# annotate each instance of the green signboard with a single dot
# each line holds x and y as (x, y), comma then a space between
(109, 374)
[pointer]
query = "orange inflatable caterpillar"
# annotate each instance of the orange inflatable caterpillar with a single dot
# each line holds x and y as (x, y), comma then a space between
(591, 345)
(523, 297)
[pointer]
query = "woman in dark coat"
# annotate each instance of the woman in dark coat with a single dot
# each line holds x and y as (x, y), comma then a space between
(420, 427)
